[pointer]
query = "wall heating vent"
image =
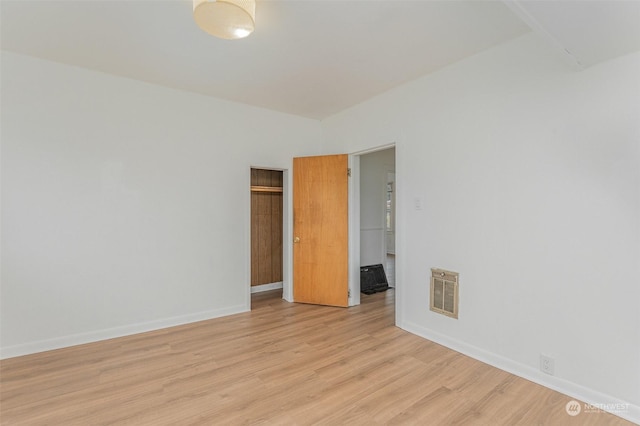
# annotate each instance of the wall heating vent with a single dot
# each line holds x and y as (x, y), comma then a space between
(444, 292)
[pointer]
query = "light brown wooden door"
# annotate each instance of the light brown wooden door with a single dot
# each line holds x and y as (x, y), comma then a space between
(320, 230)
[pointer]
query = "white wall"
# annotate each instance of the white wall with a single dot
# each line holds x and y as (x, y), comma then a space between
(373, 192)
(529, 178)
(125, 206)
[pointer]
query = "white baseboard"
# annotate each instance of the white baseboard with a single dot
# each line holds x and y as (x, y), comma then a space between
(95, 336)
(265, 287)
(595, 399)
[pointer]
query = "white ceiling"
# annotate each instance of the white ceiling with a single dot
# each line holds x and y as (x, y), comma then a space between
(311, 58)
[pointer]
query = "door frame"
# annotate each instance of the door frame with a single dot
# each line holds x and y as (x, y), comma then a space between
(287, 231)
(354, 220)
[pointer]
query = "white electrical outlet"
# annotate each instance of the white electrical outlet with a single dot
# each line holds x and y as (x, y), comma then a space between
(547, 364)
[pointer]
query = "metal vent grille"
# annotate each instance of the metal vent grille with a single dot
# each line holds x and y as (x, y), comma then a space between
(444, 292)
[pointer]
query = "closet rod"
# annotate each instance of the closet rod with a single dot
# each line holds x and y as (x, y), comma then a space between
(255, 188)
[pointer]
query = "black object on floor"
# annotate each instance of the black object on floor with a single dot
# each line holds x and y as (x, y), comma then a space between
(373, 279)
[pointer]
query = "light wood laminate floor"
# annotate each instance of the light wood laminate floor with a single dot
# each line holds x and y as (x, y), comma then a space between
(281, 364)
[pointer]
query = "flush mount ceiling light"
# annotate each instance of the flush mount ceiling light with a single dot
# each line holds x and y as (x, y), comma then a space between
(228, 19)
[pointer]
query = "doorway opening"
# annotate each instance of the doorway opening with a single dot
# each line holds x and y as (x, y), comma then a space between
(267, 225)
(378, 211)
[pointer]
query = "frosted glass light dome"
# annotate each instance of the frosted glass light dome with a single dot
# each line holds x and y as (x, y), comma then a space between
(228, 19)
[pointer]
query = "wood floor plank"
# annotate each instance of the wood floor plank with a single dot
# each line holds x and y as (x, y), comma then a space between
(280, 364)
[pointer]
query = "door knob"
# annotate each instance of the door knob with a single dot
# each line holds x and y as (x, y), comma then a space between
(296, 240)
